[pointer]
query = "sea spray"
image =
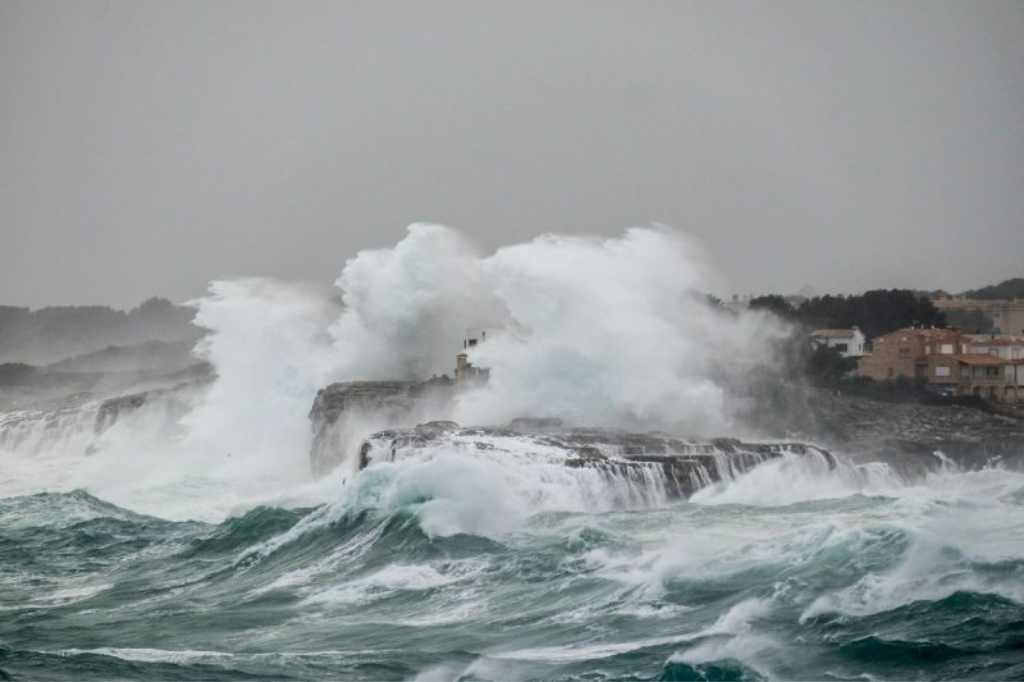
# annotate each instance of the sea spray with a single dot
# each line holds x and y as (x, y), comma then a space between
(407, 308)
(611, 332)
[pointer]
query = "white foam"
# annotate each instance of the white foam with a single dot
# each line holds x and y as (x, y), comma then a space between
(796, 478)
(399, 577)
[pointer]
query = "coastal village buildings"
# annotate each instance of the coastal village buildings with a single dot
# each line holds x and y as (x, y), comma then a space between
(850, 343)
(894, 355)
(1007, 316)
(987, 367)
(1006, 347)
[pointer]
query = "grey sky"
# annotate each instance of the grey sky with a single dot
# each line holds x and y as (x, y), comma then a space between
(146, 148)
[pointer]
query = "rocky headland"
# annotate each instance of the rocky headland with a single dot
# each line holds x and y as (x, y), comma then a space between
(344, 413)
(677, 467)
(907, 435)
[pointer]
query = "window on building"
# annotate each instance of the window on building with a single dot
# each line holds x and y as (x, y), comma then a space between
(904, 352)
(841, 347)
(991, 372)
(947, 349)
(942, 371)
(993, 351)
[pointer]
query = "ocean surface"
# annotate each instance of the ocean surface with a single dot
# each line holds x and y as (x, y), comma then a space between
(444, 569)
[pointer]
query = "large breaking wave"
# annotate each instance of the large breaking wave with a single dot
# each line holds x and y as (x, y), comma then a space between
(416, 574)
(599, 332)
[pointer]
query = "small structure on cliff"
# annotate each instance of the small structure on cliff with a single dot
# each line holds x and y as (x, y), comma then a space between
(466, 374)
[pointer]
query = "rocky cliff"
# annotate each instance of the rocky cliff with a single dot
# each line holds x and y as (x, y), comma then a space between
(905, 435)
(908, 434)
(676, 468)
(343, 413)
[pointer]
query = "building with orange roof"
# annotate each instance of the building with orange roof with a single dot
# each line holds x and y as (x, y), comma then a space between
(895, 354)
(991, 368)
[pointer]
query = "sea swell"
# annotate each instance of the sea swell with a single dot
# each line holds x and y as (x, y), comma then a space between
(880, 578)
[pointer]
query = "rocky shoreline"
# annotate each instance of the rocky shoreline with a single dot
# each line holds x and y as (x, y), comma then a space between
(903, 433)
(678, 467)
(906, 435)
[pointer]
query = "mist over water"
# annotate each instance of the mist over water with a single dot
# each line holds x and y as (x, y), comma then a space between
(485, 557)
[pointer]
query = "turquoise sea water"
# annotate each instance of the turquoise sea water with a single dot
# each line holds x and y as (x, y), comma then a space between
(786, 573)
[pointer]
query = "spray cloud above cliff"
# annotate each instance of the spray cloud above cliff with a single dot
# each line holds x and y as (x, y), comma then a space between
(602, 332)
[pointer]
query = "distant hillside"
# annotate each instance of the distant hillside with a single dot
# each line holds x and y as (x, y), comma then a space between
(150, 355)
(1010, 289)
(47, 335)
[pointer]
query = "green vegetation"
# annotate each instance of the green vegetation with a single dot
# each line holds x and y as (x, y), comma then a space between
(17, 374)
(49, 334)
(826, 366)
(1009, 289)
(874, 312)
(970, 321)
(774, 303)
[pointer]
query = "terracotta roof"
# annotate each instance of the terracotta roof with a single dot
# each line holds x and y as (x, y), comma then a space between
(998, 341)
(924, 333)
(980, 360)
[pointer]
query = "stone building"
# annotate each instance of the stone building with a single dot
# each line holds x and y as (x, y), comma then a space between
(1006, 347)
(895, 354)
(985, 376)
(991, 368)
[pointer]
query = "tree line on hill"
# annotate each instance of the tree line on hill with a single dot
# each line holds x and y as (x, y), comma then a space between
(881, 311)
(874, 312)
(1009, 290)
(54, 333)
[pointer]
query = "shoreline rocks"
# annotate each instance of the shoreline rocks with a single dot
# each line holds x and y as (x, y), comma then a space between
(676, 466)
(343, 413)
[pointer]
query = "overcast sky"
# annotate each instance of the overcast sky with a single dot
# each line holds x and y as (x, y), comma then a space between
(147, 147)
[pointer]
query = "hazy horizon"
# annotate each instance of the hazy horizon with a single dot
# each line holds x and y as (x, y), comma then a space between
(328, 292)
(146, 149)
